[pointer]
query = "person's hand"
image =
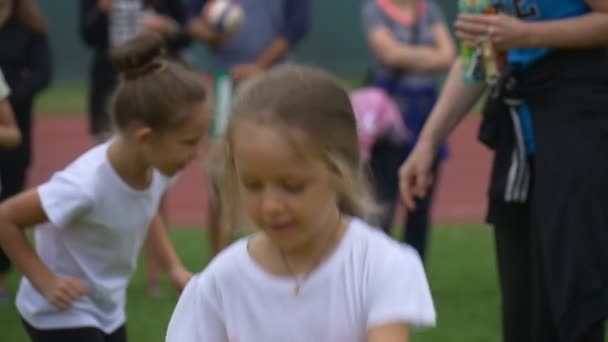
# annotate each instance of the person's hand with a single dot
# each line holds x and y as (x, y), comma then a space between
(505, 31)
(179, 277)
(200, 30)
(242, 72)
(415, 175)
(61, 292)
(159, 23)
(104, 5)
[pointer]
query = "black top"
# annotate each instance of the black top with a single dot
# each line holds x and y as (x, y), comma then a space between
(25, 60)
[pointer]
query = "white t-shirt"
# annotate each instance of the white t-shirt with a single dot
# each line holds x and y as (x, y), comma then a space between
(97, 225)
(369, 280)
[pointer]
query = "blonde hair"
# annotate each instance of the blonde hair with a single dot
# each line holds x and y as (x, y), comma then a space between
(315, 104)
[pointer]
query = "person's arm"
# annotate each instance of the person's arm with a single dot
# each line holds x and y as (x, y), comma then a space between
(37, 72)
(180, 38)
(17, 214)
(453, 105)
(567, 33)
(395, 332)
(196, 26)
(455, 102)
(399, 55)
(297, 23)
(10, 136)
(507, 32)
(94, 21)
(168, 259)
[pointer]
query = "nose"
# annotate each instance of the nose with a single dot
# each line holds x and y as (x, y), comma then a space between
(271, 203)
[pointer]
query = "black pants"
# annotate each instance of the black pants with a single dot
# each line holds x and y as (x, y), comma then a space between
(526, 315)
(13, 176)
(385, 162)
(84, 334)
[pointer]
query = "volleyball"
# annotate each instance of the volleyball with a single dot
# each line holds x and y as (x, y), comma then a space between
(224, 16)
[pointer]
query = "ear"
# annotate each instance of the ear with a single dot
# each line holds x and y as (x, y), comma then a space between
(142, 135)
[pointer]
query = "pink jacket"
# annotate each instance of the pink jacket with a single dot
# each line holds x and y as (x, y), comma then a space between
(378, 117)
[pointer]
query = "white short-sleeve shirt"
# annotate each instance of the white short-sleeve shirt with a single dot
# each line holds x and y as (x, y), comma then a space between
(368, 281)
(97, 225)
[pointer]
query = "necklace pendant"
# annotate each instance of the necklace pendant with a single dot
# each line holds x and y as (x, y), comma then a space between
(296, 290)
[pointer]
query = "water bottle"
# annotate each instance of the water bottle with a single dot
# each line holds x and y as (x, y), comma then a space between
(125, 20)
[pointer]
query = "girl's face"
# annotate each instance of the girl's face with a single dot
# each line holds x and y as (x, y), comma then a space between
(171, 151)
(287, 191)
(6, 8)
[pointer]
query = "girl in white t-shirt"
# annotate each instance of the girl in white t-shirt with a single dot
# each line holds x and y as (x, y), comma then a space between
(92, 217)
(315, 271)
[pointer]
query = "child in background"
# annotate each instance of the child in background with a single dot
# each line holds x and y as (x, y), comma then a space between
(92, 218)
(378, 118)
(315, 270)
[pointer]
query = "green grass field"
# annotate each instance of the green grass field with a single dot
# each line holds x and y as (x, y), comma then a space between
(461, 271)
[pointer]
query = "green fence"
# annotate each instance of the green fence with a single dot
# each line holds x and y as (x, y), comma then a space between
(335, 42)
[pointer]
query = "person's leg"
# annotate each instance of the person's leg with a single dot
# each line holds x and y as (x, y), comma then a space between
(595, 334)
(12, 181)
(87, 334)
(418, 221)
(513, 241)
(543, 324)
(384, 166)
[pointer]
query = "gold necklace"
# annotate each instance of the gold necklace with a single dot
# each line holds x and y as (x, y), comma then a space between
(300, 281)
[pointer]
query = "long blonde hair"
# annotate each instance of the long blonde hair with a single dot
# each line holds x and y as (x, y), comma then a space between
(295, 97)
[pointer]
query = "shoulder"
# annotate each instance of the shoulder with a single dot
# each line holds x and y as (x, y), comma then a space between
(226, 267)
(84, 170)
(382, 252)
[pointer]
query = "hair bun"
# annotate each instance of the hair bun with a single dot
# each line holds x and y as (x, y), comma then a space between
(140, 55)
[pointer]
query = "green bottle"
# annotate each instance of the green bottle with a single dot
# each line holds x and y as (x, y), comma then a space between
(472, 58)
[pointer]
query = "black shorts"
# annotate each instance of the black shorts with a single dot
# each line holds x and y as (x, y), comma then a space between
(80, 334)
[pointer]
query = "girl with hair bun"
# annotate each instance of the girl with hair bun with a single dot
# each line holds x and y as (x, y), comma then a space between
(91, 218)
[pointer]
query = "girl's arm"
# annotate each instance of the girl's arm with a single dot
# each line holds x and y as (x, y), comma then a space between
(395, 332)
(168, 259)
(17, 214)
(399, 55)
(10, 136)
